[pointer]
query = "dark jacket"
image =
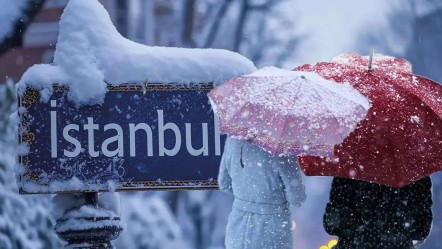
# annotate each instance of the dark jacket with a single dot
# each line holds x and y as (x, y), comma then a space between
(372, 216)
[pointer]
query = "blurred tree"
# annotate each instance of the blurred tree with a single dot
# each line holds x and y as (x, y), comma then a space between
(24, 220)
(25, 11)
(151, 224)
(18, 213)
(255, 28)
(425, 51)
(7, 99)
(411, 33)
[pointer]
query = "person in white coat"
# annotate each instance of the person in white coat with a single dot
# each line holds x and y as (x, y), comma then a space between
(263, 187)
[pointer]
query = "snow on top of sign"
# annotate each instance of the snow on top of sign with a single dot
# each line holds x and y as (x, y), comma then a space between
(90, 53)
(42, 76)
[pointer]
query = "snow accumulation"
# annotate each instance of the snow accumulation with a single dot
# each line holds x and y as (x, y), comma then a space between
(72, 214)
(387, 61)
(315, 83)
(75, 219)
(90, 54)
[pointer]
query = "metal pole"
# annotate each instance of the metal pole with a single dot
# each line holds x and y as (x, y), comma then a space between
(370, 61)
(83, 237)
(91, 198)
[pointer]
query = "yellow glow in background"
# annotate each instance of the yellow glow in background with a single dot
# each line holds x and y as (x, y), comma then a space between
(330, 244)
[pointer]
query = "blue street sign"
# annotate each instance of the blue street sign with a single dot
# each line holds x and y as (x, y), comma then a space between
(156, 136)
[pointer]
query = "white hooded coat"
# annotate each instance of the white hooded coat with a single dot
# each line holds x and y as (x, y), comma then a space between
(263, 191)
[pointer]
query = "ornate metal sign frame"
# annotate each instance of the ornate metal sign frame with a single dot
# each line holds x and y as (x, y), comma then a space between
(28, 136)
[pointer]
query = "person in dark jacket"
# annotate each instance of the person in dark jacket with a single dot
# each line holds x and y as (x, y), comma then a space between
(373, 216)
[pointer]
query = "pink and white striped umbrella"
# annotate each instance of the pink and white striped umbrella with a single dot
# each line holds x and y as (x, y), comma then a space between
(287, 112)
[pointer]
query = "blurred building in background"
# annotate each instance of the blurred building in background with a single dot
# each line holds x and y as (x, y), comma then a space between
(38, 43)
(134, 19)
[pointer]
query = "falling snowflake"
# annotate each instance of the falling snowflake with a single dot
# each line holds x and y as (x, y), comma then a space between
(352, 173)
(415, 119)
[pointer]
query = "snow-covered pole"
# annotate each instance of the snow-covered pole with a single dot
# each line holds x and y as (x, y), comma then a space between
(91, 198)
(88, 225)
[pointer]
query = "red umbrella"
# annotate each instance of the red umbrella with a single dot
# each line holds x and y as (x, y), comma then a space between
(400, 140)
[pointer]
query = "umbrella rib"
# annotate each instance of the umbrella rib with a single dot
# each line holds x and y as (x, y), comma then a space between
(329, 108)
(297, 91)
(319, 96)
(414, 94)
(390, 141)
(237, 112)
(280, 142)
(395, 161)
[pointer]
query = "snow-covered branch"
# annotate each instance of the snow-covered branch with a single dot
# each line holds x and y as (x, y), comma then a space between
(216, 23)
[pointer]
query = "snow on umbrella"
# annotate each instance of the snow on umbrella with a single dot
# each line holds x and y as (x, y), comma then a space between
(400, 140)
(286, 112)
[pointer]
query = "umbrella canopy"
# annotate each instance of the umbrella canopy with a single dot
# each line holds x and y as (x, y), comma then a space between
(288, 113)
(400, 140)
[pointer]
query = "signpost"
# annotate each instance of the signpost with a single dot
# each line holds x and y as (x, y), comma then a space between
(142, 137)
